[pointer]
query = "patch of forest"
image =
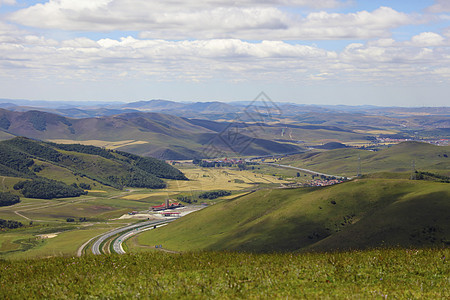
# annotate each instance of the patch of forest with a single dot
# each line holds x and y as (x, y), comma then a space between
(17, 160)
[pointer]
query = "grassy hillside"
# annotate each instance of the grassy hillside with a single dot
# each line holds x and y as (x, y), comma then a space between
(397, 158)
(358, 214)
(22, 157)
(396, 273)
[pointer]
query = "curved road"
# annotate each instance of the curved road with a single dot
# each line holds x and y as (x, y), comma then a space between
(117, 244)
(96, 246)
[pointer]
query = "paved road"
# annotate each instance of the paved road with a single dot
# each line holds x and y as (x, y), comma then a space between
(96, 246)
(117, 244)
(296, 168)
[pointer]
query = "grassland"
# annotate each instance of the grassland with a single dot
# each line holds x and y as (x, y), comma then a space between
(358, 214)
(398, 158)
(387, 273)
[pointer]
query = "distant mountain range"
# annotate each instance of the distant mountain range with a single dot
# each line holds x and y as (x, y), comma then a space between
(150, 134)
(180, 130)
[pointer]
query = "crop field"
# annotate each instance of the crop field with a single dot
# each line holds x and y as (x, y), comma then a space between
(369, 274)
(148, 195)
(205, 179)
(99, 143)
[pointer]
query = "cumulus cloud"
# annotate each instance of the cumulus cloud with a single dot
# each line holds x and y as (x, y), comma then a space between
(427, 39)
(212, 19)
(30, 56)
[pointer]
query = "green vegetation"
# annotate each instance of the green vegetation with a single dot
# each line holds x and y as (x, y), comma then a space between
(398, 158)
(47, 189)
(357, 214)
(421, 175)
(7, 199)
(211, 195)
(392, 273)
(214, 194)
(108, 167)
(9, 224)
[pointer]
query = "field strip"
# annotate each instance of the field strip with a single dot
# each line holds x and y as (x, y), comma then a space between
(100, 143)
(59, 204)
(27, 205)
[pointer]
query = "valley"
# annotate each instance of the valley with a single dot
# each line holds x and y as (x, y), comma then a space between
(270, 185)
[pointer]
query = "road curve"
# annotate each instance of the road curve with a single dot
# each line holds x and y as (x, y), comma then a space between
(117, 244)
(97, 244)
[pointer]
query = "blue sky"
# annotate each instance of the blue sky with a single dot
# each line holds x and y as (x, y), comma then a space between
(304, 51)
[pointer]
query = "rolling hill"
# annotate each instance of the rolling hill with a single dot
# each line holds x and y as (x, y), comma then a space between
(397, 158)
(149, 134)
(30, 159)
(359, 214)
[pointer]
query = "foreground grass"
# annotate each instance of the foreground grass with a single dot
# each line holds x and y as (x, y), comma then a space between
(391, 273)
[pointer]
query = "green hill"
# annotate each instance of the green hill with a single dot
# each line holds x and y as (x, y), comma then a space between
(26, 158)
(397, 158)
(358, 214)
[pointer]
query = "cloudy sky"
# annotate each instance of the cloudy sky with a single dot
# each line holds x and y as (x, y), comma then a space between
(351, 52)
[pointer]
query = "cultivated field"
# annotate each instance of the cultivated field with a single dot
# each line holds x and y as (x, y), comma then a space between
(99, 143)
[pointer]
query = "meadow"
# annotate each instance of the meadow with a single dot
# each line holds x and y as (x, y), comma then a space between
(377, 273)
(398, 158)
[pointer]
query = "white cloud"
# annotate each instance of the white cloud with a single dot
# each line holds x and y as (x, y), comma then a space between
(440, 6)
(427, 39)
(212, 19)
(7, 2)
(382, 61)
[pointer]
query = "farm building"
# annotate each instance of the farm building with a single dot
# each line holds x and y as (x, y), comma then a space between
(167, 205)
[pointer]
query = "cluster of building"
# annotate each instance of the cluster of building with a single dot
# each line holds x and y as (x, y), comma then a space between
(323, 182)
(439, 142)
(167, 205)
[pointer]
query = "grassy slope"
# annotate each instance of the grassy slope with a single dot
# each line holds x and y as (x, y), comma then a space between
(398, 158)
(367, 212)
(397, 273)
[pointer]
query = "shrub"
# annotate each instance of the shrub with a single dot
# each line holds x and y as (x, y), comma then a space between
(7, 199)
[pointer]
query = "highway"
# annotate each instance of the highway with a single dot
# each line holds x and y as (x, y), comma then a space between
(117, 244)
(96, 247)
(295, 168)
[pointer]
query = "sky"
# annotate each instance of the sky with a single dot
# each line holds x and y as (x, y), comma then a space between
(386, 53)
